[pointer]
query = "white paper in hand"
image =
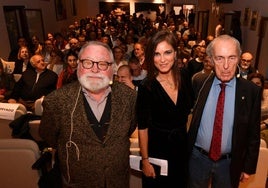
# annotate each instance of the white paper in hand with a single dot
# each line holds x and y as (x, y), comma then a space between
(134, 161)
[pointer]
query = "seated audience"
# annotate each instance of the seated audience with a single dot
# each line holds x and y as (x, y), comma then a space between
(6, 84)
(68, 74)
(34, 83)
(56, 61)
(258, 79)
(124, 76)
(138, 74)
(118, 58)
(36, 47)
(138, 51)
(201, 76)
(13, 55)
(48, 47)
(195, 65)
(22, 63)
(245, 65)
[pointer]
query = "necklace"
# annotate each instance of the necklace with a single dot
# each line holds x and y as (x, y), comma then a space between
(167, 83)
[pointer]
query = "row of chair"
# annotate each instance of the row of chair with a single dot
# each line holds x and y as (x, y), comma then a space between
(18, 155)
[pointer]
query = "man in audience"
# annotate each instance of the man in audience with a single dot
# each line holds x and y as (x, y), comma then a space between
(34, 83)
(202, 75)
(139, 51)
(138, 74)
(195, 65)
(245, 65)
(124, 76)
(46, 52)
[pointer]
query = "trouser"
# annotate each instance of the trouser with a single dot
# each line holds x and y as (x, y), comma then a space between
(204, 172)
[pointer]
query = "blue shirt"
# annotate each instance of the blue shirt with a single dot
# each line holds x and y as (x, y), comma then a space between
(205, 130)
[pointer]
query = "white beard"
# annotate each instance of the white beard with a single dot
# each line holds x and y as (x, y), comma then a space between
(94, 85)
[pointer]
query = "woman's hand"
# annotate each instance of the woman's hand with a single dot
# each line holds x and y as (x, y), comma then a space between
(148, 169)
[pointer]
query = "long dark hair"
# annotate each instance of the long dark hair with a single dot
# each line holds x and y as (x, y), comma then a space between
(157, 38)
(251, 76)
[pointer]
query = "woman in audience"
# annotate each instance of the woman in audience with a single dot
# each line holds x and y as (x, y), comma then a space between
(7, 83)
(23, 61)
(164, 101)
(118, 58)
(56, 61)
(68, 73)
(258, 79)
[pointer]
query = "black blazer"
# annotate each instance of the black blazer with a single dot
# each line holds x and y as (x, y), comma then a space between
(19, 65)
(246, 128)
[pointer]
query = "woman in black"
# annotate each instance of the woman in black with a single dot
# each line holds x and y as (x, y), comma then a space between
(164, 102)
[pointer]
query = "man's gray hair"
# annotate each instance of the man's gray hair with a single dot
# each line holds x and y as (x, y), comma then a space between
(210, 47)
(97, 43)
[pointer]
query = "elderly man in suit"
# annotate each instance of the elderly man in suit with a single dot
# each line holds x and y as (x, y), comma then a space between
(240, 126)
(89, 122)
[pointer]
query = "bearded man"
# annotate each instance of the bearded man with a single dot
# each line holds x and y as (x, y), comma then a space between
(89, 122)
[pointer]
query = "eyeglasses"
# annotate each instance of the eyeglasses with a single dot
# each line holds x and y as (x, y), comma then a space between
(101, 65)
(248, 61)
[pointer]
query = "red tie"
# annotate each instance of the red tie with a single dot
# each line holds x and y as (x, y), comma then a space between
(215, 147)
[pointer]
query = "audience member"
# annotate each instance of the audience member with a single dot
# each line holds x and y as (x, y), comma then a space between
(60, 41)
(35, 46)
(6, 84)
(124, 76)
(202, 75)
(230, 157)
(73, 45)
(139, 50)
(22, 63)
(163, 104)
(34, 83)
(46, 51)
(13, 55)
(68, 74)
(183, 54)
(92, 124)
(56, 61)
(245, 65)
(138, 74)
(195, 65)
(258, 79)
(118, 58)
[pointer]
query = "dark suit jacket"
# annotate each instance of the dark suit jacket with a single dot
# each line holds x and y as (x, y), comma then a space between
(246, 128)
(19, 65)
(100, 164)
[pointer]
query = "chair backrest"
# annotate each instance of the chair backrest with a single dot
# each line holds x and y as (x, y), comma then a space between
(263, 144)
(38, 108)
(259, 179)
(5, 130)
(16, 159)
(8, 66)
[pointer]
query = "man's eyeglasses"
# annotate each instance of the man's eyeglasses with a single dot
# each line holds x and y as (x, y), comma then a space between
(248, 61)
(101, 65)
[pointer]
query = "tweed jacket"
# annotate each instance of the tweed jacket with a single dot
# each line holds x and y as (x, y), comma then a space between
(246, 127)
(90, 162)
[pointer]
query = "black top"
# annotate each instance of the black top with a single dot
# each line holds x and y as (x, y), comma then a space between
(28, 89)
(166, 123)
